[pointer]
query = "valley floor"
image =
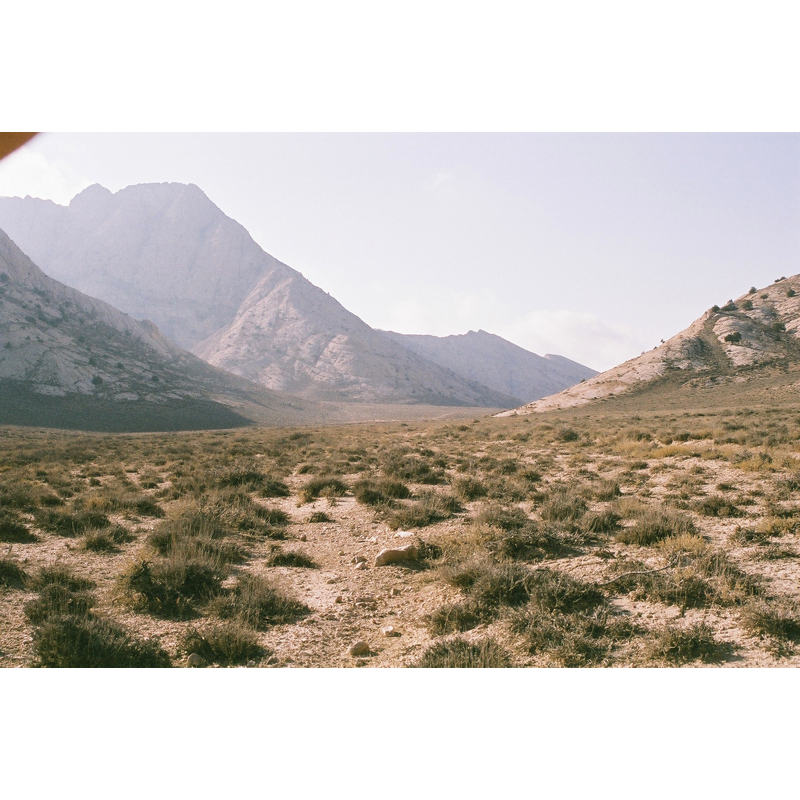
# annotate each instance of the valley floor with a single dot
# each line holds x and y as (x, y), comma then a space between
(550, 540)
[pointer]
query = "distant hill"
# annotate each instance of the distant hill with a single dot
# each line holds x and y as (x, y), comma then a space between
(165, 252)
(497, 363)
(743, 345)
(69, 360)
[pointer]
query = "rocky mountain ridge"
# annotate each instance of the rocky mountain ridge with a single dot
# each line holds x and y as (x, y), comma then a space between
(165, 252)
(731, 343)
(59, 343)
(497, 363)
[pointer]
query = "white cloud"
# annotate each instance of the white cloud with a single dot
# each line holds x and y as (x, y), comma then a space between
(440, 180)
(577, 335)
(28, 172)
(581, 336)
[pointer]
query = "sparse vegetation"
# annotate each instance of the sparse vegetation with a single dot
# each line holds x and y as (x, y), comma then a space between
(535, 529)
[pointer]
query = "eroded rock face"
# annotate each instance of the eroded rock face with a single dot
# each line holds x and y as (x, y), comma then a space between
(57, 342)
(162, 252)
(165, 252)
(291, 336)
(759, 328)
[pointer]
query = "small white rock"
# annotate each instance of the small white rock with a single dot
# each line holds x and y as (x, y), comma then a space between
(390, 556)
(361, 565)
(389, 631)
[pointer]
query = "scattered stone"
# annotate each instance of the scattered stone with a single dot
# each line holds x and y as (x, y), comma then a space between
(251, 663)
(389, 556)
(389, 631)
(339, 599)
(332, 580)
(303, 537)
(340, 553)
(361, 565)
(360, 648)
(195, 660)
(358, 559)
(395, 592)
(403, 534)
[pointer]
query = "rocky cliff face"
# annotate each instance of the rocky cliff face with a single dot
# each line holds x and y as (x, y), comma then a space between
(291, 336)
(165, 252)
(57, 342)
(731, 343)
(162, 252)
(497, 363)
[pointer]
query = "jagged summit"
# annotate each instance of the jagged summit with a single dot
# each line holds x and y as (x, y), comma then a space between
(733, 343)
(165, 252)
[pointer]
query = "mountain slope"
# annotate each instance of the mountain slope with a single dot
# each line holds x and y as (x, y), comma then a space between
(293, 337)
(71, 360)
(162, 252)
(165, 252)
(736, 344)
(495, 362)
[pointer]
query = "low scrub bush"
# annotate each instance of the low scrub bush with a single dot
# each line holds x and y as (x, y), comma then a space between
(65, 523)
(779, 618)
(289, 558)
(457, 618)
(106, 539)
(13, 529)
(681, 645)
(12, 575)
(460, 654)
(55, 600)
(563, 505)
(88, 641)
(654, 525)
(717, 506)
(323, 487)
(258, 603)
(227, 643)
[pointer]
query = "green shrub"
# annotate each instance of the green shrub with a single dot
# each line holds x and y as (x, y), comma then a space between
(319, 516)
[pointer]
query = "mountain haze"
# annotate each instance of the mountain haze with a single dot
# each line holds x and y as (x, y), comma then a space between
(495, 362)
(742, 343)
(165, 252)
(72, 360)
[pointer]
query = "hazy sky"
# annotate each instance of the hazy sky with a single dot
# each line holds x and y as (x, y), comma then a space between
(593, 246)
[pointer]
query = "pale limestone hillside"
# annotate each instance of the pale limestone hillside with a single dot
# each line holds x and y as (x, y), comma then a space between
(56, 342)
(731, 343)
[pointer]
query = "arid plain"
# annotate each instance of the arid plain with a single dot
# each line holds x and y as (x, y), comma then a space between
(572, 538)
